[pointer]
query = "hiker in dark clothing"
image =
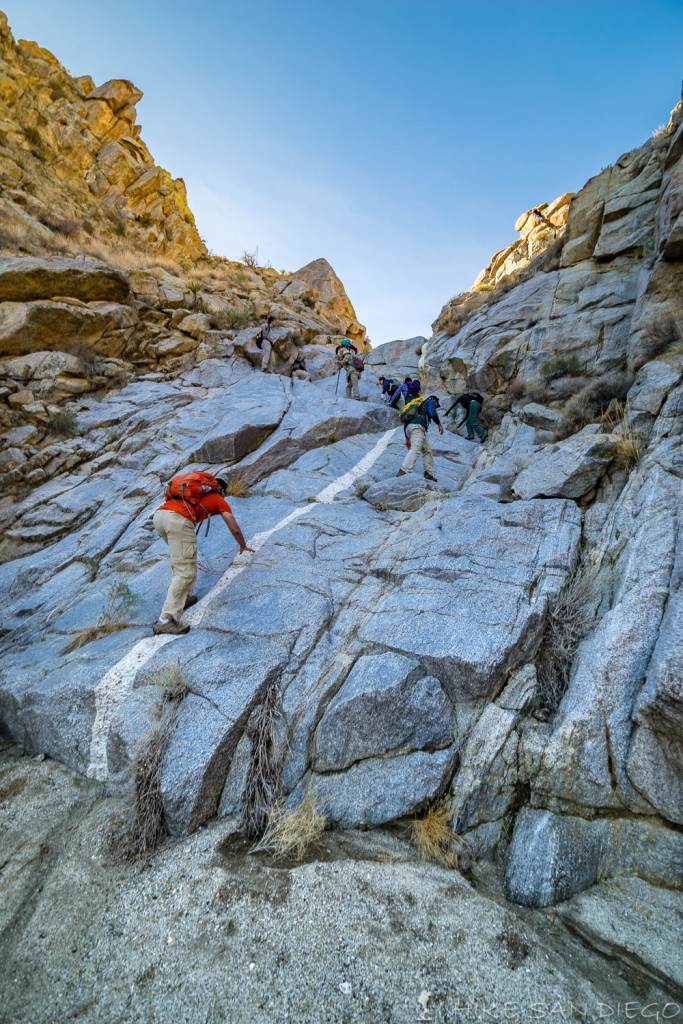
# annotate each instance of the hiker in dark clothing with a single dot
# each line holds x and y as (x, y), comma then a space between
(388, 386)
(416, 437)
(409, 389)
(299, 371)
(267, 345)
(471, 403)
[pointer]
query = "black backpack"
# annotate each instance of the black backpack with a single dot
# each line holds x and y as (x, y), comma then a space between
(476, 397)
(259, 339)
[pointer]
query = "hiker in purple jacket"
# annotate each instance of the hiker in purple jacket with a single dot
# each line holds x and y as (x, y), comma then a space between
(409, 389)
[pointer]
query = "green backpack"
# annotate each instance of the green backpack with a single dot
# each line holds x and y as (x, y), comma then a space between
(411, 410)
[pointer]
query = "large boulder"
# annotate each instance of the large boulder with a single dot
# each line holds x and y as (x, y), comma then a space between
(568, 469)
(385, 705)
(25, 278)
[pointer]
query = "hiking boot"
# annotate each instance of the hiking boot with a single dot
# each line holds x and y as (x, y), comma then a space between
(470, 437)
(190, 600)
(401, 472)
(428, 476)
(482, 439)
(173, 627)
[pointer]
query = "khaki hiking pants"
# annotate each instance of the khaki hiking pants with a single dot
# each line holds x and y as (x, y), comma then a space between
(178, 533)
(419, 445)
(267, 356)
(352, 384)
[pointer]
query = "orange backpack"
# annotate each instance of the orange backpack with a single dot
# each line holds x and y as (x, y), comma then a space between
(191, 487)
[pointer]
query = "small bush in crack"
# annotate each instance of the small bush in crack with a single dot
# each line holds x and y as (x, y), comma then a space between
(263, 777)
(291, 832)
(141, 829)
(568, 623)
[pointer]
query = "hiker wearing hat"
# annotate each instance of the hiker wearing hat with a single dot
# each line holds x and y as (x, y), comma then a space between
(345, 354)
(416, 417)
(471, 403)
(190, 499)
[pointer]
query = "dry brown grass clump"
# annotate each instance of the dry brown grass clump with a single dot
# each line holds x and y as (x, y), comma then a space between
(237, 486)
(291, 832)
(628, 447)
(142, 829)
(528, 390)
(435, 839)
(592, 402)
(120, 602)
(568, 623)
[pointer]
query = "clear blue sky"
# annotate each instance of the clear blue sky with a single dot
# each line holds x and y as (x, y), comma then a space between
(399, 140)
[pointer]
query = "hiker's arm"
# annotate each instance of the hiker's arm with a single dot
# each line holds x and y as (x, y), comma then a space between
(436, 419)
(449, 411)
(231, 523)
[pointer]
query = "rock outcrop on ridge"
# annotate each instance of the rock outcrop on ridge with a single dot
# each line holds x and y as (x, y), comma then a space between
(73, 167)
(507, 638)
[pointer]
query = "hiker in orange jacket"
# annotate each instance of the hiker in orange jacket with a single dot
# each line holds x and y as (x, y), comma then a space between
(175, 522)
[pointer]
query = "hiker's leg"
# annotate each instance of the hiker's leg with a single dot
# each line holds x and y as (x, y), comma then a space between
(182, 543)
(266, 352)
(414, 433)
(355, 376)
(427, 456)
(473, 419)
(468, 424)
(348, 386)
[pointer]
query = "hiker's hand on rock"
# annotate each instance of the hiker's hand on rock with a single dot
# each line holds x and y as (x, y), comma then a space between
(440, 429)
(407, 443)
(245, 548)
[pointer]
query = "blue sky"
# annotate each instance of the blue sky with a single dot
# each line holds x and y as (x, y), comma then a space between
(399, 140)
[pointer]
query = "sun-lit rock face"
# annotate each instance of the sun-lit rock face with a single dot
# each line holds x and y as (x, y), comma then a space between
(73, 163)
(538, 229)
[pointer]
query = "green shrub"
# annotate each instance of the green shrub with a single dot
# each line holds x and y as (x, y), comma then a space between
(32, 135)
(64, 424)
(561, 366)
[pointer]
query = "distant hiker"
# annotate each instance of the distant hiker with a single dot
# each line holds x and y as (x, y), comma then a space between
(416, 417)
(388, 386)
(409, 389)
(190, 499)
(299, 371)
(471, 403)
(264, 340)
(348, 359)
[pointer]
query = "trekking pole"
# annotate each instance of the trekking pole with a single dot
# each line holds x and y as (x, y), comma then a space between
(337, 384)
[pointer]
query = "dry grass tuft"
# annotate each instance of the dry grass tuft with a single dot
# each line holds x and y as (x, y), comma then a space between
(292, 832)
(237, 485)
(628, 447)
(263, 777)
(568, 623)
(592, 402)
(435, 839)
(120, 602)
(135, 834)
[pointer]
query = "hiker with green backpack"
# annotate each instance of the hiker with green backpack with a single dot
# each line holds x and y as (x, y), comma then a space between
(416, 417)
(349, 360)
(190, 499)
